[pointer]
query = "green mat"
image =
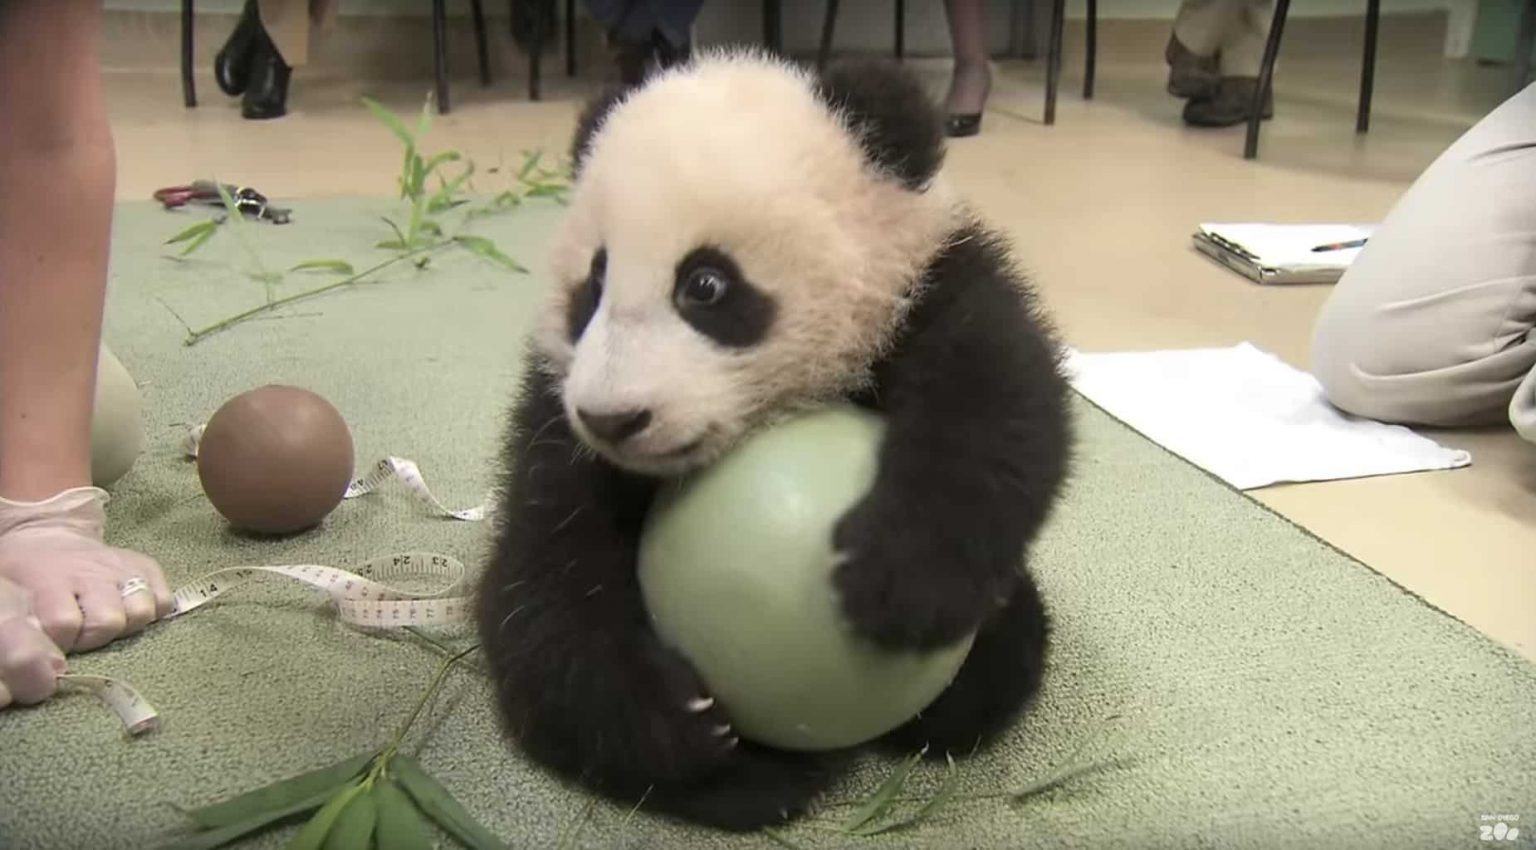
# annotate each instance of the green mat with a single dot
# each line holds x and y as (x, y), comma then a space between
(1272, 692)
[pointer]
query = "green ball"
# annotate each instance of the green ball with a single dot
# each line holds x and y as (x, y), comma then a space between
(736, 570)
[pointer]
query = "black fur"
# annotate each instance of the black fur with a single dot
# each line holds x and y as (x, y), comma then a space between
(584, 685)
(741, 318)
(901, 129)
(584, 301)
(591, 119)
(975, 452)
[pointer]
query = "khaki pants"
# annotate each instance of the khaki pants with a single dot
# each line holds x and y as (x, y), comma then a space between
(1235, 29)
(1433, 324)
(289, 22)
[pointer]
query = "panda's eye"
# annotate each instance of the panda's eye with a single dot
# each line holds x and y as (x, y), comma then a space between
(703, 287)
(596, 274)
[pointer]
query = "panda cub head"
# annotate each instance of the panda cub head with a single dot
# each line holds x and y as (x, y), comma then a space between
(742, 240)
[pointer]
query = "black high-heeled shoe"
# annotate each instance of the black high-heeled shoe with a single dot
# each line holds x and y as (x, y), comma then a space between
(267, 94)
(232, 64)
(960, 126)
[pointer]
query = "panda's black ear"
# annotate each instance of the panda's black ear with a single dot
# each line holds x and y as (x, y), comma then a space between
(899, 126)
(590, 122)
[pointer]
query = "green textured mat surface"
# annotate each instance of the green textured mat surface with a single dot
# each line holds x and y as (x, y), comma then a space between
(1274, 692)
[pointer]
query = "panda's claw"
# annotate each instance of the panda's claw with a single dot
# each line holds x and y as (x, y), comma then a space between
(699, 705)
(722, 730)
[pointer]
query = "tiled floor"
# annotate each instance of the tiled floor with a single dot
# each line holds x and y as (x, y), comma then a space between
(1100, 205)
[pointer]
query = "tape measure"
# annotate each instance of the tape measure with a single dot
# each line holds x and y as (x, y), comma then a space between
(369, 598)
(403, 470)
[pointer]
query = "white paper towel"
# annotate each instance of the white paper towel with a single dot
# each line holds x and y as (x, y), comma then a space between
(1248, 418)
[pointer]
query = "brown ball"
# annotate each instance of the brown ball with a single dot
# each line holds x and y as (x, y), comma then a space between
(276, 459)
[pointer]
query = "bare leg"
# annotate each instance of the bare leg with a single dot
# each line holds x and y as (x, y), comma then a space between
(972, 79)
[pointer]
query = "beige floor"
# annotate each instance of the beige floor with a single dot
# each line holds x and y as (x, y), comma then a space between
(1101, 207)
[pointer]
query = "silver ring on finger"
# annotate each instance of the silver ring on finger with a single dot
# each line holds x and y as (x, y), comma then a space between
(132, 586)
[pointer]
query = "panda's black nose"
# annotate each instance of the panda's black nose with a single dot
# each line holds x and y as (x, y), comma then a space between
(615, 427)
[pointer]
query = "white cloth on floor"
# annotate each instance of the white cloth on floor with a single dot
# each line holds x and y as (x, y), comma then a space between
(1248, 418)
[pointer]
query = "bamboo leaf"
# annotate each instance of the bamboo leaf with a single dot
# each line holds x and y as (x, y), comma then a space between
(313, 834)
(225, 833)
(938, 801)
(279, 794)
(400, 825)
(337, 266)
(487, 249)
(880, 802)
(431, 227)
(439, 805)
(193, 231)
(391, 245)
(354, 827)
(390, 120)
(545, 190)
(198, 240)
(424, 121)
(438, 160)
(394, 227)
(529, 164)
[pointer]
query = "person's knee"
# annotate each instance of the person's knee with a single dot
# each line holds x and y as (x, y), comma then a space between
(117, 422)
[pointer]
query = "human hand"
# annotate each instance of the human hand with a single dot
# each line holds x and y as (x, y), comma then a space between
(85, 594)
(30, 663)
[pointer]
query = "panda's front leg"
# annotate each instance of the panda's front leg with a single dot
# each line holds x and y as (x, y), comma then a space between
(974, 454)
(584, 684)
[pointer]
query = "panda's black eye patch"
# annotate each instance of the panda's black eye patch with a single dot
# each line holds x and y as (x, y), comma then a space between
(585, 299)
(711, 294)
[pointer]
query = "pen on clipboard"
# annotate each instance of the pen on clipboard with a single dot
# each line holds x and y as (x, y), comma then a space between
(1339, 246)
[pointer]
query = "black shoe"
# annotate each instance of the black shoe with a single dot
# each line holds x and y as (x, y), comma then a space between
(1190, 75)
(267, 94)
(960, 126)
(1232, 104)
(232, 65)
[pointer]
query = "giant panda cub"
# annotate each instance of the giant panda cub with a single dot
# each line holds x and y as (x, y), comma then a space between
(746, 239)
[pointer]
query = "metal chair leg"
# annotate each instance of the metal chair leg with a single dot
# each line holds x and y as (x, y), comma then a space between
(440, 54)
(188, 85)
(1266, 78)
(828, 24)
(1092, 48)
(1523, 44)
(570, 38)
(901, 29)
(480, 47)
(1368, 67)
(1053, 60)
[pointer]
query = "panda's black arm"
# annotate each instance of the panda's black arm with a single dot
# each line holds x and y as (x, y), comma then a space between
(583, 682)
(975, 451)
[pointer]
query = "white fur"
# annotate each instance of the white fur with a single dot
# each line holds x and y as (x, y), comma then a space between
(736, 152)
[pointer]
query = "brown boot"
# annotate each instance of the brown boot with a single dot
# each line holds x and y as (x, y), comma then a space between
(1232, 104)
(1190, 75)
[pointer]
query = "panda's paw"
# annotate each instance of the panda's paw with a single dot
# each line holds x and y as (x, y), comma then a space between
(678, 731)
(905, 582)
(758, 788)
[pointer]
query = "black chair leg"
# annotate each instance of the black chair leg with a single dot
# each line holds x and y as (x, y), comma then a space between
(188, 85)
(1053, 60)
(828, 24)
(1092, 48)
(1368, 67)
(1523, 44)
(901, 29)
(1266, 78)
(484, 53)
(773, 25)
(570, 38)
(440, 54)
